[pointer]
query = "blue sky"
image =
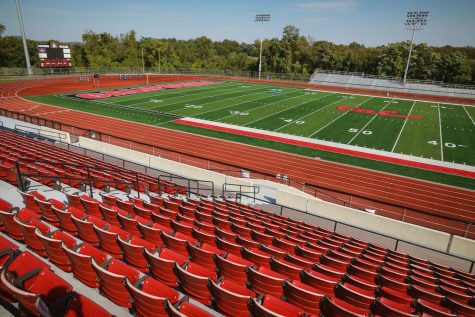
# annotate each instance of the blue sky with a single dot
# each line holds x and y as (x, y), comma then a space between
(371, 22)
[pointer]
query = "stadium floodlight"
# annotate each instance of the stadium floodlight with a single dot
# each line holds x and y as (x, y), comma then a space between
(261, 17)
(415, 20)
(25, 47)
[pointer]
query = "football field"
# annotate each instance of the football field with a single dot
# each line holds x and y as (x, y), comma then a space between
(431, 130)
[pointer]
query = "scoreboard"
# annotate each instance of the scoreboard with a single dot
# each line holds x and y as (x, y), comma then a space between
(54, 55)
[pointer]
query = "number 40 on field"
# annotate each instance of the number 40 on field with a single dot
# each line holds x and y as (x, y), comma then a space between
(447, 144)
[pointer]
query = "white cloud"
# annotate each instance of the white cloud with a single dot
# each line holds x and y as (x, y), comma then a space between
(328, 5)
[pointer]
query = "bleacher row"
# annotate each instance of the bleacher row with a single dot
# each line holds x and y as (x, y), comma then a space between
(142, 253)
(50, 164)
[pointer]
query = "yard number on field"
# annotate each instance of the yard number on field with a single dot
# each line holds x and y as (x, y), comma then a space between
(239, 113)
(447, 144)
(292, 120)
(367, 132)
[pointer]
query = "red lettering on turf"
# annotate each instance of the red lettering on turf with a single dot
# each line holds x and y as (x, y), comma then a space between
(387, 113)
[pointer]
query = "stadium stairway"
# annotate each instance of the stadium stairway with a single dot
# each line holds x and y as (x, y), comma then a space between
(164, 254)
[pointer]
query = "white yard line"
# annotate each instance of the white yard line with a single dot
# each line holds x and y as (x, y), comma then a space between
(240, 103)
(345, 113)
(468, 114)
(440, 130)
(402, 128)
(307, 115)
(374, 117)
(271, 103)
(274, 113)
(194, 100)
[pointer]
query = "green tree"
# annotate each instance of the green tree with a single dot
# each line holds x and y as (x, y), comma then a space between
(455, 68)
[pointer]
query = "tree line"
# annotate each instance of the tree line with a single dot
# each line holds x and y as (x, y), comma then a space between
(292, 53)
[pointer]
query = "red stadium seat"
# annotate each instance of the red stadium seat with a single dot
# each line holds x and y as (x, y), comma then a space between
(230, 298)
(273, 251)
(11, 227)
(265, 281)
(181, 227)
(149, 297)
(303, 296)
(81, 260)
(354, 295)
(203, 254)
(320, 281)
(263, 238)
(107, 239)
(64, 218)
(133, 250)
(28, 229)
(151, 232)
(20, 264)
(425, 294)
(161, 264)
(129, 223)
(271, 306)
(285, 268)
(126, 206)
(299, 261)
(79, 306)
(38, 292)
(359, 282)
(204, 236)
(91, 206)
(433, 309)
(177, 242)
(185, 309)
(193, 279)
(385, 307)
(46, 211)
(388, 282)
(110, 214)
(308, 253)
(228, 246)
(232, 267)
(256, 256)
(225, 234)
(29, 200)
(459, 308)
(113, 275)
(86, 229)
(54, 248)
(334, 307)
(395, 295)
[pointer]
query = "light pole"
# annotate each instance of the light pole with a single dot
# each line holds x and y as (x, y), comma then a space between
(143, 64)
(261, 18)
(25, 47)
(159, 61)
(415, 20)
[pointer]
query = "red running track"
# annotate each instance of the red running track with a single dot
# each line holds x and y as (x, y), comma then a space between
(363, 185)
